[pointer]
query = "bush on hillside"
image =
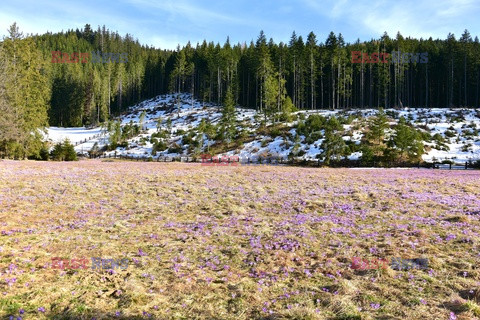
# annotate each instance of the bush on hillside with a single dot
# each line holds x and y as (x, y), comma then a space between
(63, 151)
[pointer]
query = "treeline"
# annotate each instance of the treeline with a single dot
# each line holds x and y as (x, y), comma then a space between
(272, 78)
(35, 92)
(320, 75)
(89, 93)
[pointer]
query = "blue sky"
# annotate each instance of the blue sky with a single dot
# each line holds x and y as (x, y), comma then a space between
(166, 23)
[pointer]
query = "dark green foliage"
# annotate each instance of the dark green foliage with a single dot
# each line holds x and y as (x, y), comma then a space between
(333, 124)
(129, 131)
(24, 96)
(115, 130)
(288, 109)
(275, 132)
(159, 146)
(44, 154)
(190, 139)
(333, 147)
(377, 127)
(407, 142)
(352, 147)
(367, 155)
(345, 120)
(450, 133)
(228, 121)
(175, 148)
(314, 123)
(63, 151)
(314, 136)
(162, 134)
(41, 154)
(475, 164)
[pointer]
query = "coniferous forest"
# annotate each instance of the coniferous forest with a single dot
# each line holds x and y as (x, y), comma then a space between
(315, 72)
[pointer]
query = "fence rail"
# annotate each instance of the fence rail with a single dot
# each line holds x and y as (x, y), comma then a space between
(217, 161)
(87, 139)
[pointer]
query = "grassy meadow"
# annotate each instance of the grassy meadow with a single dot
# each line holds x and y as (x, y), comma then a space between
(246, 242)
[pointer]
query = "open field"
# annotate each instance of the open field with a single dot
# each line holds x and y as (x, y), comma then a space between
(236, 242)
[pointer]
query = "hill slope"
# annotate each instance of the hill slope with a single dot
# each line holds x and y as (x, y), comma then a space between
(180, 117)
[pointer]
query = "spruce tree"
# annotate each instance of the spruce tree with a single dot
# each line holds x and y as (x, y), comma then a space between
(376, 134)
(26, 92)
(228, 117)
(407, 142)
(333, 147)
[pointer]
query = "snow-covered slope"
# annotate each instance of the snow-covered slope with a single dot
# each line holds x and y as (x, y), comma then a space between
(456, 126)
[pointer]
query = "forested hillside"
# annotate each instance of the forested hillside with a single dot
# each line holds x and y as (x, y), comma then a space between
(270, 77)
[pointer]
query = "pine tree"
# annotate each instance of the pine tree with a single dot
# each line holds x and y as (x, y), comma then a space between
(376, 134)
(115, 134)
(228, 117)
(69, 151)
(377, 127)
(142, 120)
(11, 132)
(287, 110)
(312, 57)
(64, 151)
(407, 142)
(26, 92)
(333, 147)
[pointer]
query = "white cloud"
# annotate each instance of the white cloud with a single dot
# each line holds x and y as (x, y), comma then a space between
(186, 9)
(416, 18)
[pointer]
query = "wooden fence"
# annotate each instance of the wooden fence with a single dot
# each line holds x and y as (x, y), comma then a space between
(88, 139)
(217, 161)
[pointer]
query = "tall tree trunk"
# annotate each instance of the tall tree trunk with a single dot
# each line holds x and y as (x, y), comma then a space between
(294, 82)
(465, 78)
(451, 87)
(333, 85)
(218, 86)
(362, 83)
(321, 82)
(312, 86)
(426, 86)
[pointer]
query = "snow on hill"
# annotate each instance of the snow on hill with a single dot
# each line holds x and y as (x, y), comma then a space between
(456, 126)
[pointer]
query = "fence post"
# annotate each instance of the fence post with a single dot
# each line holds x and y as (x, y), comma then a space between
(450, 166)
(466, 165)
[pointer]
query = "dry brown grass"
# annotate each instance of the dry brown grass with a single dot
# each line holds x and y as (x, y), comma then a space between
(250, 242)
